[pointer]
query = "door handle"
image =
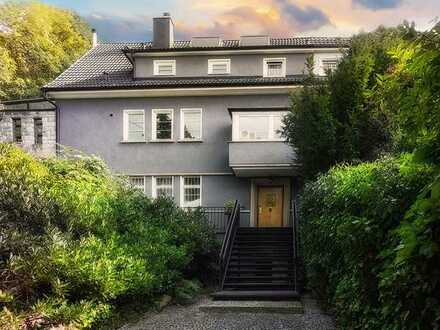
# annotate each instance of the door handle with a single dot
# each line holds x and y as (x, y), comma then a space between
(260, 209)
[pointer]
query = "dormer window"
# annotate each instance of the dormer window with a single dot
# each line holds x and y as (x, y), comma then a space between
(219, 66)
(164, 67)
(274, 67)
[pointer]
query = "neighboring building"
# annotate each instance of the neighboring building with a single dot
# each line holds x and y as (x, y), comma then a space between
(30, 124)
(198, 120)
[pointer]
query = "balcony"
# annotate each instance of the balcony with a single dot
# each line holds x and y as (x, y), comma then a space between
(261, 158)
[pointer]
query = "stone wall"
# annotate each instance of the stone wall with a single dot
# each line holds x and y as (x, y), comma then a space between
(48, 147)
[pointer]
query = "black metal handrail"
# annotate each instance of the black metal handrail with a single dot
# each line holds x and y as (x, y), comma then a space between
(228, 240)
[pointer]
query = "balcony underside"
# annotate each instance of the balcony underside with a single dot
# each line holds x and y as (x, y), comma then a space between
(261, 159)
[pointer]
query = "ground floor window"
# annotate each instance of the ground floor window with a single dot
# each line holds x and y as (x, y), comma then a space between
(191, 191)
(137, 182)
(162, 186)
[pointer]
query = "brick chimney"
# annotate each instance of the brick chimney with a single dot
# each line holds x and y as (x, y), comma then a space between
(163, 31)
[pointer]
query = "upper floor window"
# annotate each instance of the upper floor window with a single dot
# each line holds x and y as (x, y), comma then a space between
(16, 130)
(134, 126)
(191, 124)
(325, 62)
(191, 191)
(162, 124)
(38, 131)
(164, 67)
(162, 186)
(219, 66)
(274, 67)
(137, 182)
(257, 126)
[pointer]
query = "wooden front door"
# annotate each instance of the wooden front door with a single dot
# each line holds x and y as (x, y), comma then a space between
(270, 206)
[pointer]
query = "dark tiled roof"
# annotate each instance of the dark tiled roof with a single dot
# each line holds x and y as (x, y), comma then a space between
(107, 67)
(297, 42)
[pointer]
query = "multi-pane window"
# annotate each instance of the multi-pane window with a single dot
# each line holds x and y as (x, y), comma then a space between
(191, 124)
(254, 126)
(134, 126)
(162, 124)
(164, 67)
(38, 131)
(163, 186)
(16, 130)
(274, 67)
(329, 64)
(191, 191)
(137, 182)
(219, 66)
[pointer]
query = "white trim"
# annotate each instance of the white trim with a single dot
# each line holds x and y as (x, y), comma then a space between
(158, 63)
(154, 185)
(160, 92)
(154, 112)
(213, 61)
(182, 122)
(239, 51)
(182, 197)
(181, 174)
(126, 113)
(283, 61)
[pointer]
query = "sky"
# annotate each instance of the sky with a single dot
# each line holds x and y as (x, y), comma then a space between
(130, 20)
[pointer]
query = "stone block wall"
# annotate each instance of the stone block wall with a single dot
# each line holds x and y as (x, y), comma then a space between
(48, 148)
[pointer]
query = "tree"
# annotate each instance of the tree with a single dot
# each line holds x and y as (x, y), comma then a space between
(37, 43)
(334, 120)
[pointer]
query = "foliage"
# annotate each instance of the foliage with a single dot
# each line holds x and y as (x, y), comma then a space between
(359, 251)
(78, 242)
(332, 120)
(410, 94)
(41, 41)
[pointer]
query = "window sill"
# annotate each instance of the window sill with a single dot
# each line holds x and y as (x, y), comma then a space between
(128, 142)
(190, 141)
(161, 141)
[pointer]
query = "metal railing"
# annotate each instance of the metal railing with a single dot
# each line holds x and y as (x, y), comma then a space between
(228, 240)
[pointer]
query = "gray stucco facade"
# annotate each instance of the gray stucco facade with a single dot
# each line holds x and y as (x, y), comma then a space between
(95, 126)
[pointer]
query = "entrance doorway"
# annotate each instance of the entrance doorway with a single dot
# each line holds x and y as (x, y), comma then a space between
(270, 206)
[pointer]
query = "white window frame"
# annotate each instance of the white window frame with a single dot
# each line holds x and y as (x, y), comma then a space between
(182, 190)
(126, 114)
(154, 185)
(213, 61)
(274, 59)
(318, 59)
(182, 123)
(138, 176)
(271, 114)
(157, 63)
(155, 112)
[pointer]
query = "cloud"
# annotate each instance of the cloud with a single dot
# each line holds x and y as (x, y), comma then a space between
(308, 17)
(279, 18)
(117, 28)
(378, 4)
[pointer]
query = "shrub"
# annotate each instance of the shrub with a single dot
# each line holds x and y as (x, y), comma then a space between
(77, 241)
(352, 221)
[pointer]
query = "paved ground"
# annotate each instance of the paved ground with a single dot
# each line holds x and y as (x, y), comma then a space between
(190, 318)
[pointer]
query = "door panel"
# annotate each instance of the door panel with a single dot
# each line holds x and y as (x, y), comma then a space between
(270, 206)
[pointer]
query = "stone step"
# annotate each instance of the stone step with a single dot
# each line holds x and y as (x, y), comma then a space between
(234, 306)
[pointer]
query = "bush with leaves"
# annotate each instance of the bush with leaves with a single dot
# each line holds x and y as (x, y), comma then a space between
(77, 241)
(354, 239)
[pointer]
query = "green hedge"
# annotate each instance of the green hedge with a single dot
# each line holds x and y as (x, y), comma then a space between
(77, 241)
(371, 243)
